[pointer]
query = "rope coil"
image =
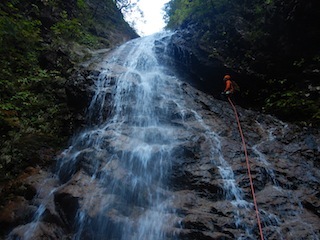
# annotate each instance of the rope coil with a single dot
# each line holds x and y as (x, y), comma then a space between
(248, 168)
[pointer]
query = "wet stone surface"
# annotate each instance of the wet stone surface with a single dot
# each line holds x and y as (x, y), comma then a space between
(171, 167)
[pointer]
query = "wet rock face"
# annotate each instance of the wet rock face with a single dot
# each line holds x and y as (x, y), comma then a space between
(204, 192)
(284, 166)
(193, 62)
(80, 89)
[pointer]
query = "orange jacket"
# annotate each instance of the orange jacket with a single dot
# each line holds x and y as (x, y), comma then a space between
(229, 86)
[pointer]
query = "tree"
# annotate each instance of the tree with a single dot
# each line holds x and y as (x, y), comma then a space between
(126, 5)
(130, 10)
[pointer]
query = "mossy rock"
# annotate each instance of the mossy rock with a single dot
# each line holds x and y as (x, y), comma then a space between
(27, 150)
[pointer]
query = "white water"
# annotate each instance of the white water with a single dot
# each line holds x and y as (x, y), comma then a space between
(126, 153)
(137, 133)
(293, 214)
(131, 176)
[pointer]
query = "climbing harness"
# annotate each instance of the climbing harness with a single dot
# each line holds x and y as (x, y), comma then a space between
(248, 167)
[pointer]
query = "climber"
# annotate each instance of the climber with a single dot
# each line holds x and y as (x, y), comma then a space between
(229, 89)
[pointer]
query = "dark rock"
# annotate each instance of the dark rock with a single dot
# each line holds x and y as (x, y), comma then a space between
(193, 63)
(79, 90)
(15, 212)
(51, 231)
(193, 165)
(67, 207)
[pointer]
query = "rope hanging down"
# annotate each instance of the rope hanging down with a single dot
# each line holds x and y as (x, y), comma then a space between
(248, 167)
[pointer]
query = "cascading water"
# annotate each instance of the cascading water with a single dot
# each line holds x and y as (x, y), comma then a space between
(130, 172)
(295, 209)
(134, 170)
(154, 158)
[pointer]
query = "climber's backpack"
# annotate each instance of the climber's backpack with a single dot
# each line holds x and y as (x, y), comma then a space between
(235, 86)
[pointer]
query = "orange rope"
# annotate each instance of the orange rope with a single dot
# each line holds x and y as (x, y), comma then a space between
(248, 167)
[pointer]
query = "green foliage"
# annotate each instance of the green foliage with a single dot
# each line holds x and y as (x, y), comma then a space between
(81, 4)
(19, 39)
(25, 105)
(37, 54)
(68, 29)
(294, 106)
(89, 40)
(20, 42)
(73, 30)
(27, 100)
(179, 11)
(263, 39)
(33, 108)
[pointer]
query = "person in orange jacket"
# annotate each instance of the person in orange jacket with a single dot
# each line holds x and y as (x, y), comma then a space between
(229, 89)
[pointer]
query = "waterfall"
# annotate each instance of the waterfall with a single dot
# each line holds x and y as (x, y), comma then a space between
(134, 169)
(156, 156)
